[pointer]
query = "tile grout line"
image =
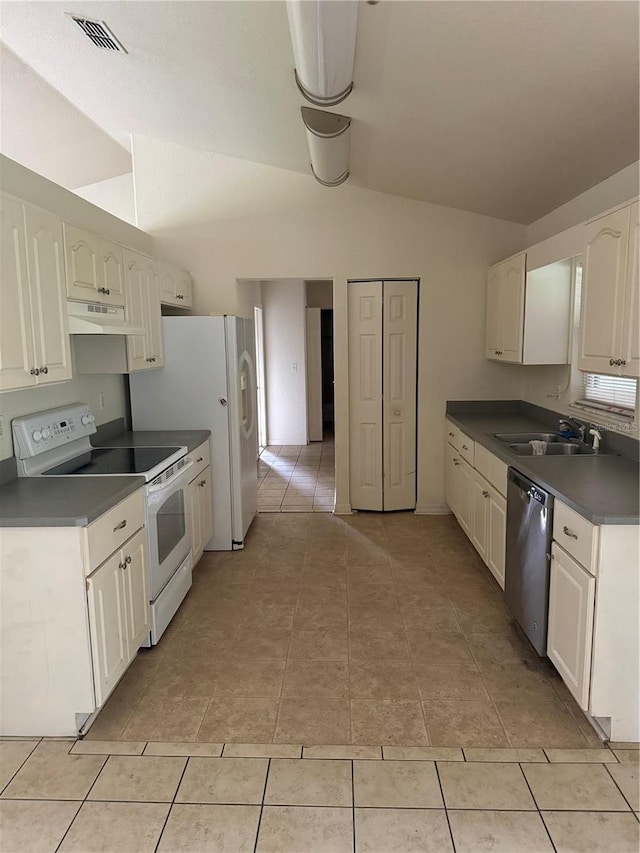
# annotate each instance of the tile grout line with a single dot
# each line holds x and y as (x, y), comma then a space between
(353, 804)
(605, 765)
(172, 803)
(535, 802)
(4, 788)
(264, 793)
(444, 806)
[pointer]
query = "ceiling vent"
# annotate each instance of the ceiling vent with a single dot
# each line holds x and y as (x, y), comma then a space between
(99, 33)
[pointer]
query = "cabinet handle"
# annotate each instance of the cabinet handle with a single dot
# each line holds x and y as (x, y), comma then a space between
(464, 447)
(34, 371)
(485, 493)
(179, 296)
(128, 559)
(120, 526)
(104, 290)
(452, 434)
(456, 462)
(199, 459)
(202, 483)
(612, 361)
(569, 533)
(122, 565)
(44, 370)
(622, 361)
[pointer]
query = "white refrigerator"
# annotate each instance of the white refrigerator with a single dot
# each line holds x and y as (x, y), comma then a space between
(209, 382)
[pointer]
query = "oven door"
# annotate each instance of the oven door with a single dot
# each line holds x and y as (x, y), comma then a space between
(169, 527)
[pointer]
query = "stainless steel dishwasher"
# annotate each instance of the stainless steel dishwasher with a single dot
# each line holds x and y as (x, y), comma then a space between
(528, 556)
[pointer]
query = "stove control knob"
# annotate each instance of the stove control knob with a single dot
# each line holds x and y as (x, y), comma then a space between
(36, 435)
(46, 433)
(87, 419)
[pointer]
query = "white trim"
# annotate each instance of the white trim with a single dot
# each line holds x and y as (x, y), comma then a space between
(432, 509)
(342, 509)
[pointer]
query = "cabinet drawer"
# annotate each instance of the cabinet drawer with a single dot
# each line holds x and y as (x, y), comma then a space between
(452, 434)
(576, 535)
(466, 448)
(107, 533)
(492, 469)
(200, 458)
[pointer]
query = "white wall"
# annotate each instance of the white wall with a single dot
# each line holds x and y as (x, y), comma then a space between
(614, 190)
(284, 306)
(226, 219)
(81, 389)
(320, 294)
(249, 296)
(115, 195)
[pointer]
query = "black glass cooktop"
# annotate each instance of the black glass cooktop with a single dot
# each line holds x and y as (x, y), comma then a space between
(115, 460)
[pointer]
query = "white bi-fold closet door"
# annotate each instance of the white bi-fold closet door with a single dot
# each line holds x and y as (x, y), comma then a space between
(383, 320)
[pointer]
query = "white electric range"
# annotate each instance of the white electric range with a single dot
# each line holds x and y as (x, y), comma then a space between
(56, 443)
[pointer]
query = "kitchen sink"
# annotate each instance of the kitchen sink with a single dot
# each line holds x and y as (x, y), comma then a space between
(524, 437)
(559, 448)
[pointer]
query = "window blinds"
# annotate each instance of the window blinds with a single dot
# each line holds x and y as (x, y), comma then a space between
(612, 393)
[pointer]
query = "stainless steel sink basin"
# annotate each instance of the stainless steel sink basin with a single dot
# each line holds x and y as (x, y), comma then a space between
(523, 437)
(559, 448)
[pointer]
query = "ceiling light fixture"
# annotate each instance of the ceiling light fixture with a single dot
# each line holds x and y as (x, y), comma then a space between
(328, 138)
(323, 35)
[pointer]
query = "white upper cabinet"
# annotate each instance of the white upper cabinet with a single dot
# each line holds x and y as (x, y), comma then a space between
(95, 267)
(34, 340)
(175, 286)
(143, 309)
(604, 283)
(505, 309)
(528, 312)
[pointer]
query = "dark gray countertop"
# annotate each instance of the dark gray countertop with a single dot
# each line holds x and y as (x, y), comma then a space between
(61, 501)
(189, 438)
(605, 489)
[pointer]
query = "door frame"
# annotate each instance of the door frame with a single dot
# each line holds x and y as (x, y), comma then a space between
(260, 377)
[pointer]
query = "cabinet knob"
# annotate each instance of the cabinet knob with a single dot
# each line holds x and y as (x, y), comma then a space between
(569, 533)
(122, 565)
(202, 483)
(612, 361)
(44, 370)
(622, 361)
(200, 459)
(451, 434)
(464, 447)
(485, 493)
(128, 559)
(456, 462)
(179, 296)
(34, 371)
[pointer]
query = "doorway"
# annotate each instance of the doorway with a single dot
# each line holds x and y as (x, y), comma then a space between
(260, 378)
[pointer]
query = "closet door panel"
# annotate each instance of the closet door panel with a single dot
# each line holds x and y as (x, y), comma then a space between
(400, 314)
(365, 394)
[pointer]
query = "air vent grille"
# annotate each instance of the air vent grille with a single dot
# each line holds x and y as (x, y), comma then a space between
(99, 33)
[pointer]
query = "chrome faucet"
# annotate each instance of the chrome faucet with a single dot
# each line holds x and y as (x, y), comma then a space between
(578, 429)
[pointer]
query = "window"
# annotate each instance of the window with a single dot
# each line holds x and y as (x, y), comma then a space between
(611, 393)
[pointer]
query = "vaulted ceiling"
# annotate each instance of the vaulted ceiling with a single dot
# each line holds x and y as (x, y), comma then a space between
(502, 108)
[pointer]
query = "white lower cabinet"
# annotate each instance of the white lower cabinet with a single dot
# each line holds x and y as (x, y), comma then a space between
(478, 503)
(118, 601)
(201, 512)
(497, 535)
(571, 609)
(89, 616)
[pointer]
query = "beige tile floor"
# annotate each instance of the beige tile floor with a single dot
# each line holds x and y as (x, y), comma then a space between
(294, 478)
(234, 798)
(367, 629)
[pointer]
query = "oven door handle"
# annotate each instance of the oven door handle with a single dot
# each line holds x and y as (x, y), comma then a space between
(160, 487)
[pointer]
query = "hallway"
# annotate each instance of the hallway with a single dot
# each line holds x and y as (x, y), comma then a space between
(294, 478)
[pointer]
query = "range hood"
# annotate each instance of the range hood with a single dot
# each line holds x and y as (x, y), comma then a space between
(89, 318)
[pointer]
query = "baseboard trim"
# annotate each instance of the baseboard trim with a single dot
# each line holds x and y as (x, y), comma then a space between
(432, 509)
(342, 509)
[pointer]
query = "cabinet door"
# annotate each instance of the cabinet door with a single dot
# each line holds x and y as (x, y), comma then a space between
(45, 257)
(136, 592)
(464, 490)
(196, 521)
(184, 295)
(82, 262)
(154, 318)
(17, 356)
(512, 298)
(493, 342)
(571, 607)
(630, 350)
(206, 507)
(451, 463)
(112, 272)
(138, 346)
(497, 535)
(107, 626)
(168, 284)
(480, 514)
(603, 285)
